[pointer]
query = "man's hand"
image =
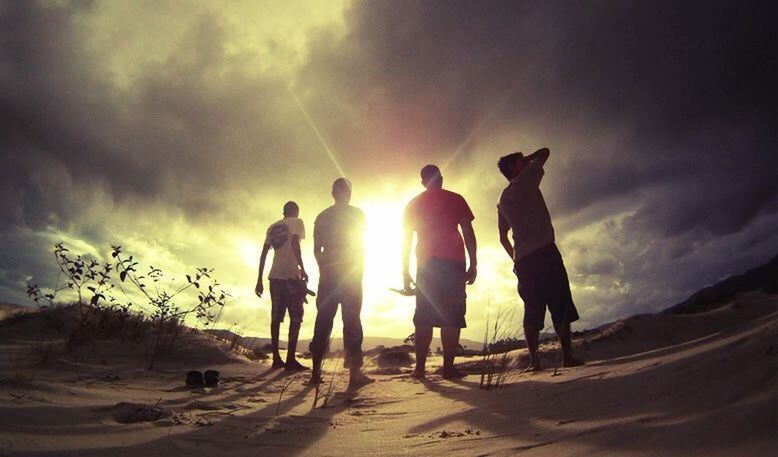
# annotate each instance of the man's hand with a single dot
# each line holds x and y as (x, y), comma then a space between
(259, 289)
(470, 275)
(303, 275)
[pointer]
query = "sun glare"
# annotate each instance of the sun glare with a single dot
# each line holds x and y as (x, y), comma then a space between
(249, 252)
(383, 243)
(383, 260)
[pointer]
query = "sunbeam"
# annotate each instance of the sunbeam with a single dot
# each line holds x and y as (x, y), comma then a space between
(318, 134)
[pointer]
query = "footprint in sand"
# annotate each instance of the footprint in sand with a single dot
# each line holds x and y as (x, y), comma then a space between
(294, 423)
(130, 413)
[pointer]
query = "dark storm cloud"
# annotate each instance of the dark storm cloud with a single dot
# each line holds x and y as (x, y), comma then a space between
(187, 127)
(660, 119)
(86, 157)
(662, 112)
(685, 86)
(57, 115)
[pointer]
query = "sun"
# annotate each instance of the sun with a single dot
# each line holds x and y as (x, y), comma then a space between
(383, 245)
(383, 261)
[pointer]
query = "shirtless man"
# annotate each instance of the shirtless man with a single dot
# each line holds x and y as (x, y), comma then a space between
(538, 264)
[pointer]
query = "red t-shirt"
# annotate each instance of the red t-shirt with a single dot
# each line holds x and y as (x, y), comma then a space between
(435, 215)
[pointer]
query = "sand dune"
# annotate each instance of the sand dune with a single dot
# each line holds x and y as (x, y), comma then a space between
(666, 384)
(9, 309)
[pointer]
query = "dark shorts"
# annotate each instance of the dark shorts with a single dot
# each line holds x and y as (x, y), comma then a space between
(440, 294)
(287, 295)
(543, 283)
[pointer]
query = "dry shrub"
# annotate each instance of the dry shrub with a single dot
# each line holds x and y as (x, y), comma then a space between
(394, 357)
(99, 314)
(496, 363)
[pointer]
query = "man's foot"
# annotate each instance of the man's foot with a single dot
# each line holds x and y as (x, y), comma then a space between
(453, 373)
(294, 365)
(315, 380)
(420, 375)
(571, 361)
(533, 367)
(278, 363)
(357, 380)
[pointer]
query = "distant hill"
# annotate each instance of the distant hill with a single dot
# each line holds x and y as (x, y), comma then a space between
(249, 342)
(763, 278)
(9, 309)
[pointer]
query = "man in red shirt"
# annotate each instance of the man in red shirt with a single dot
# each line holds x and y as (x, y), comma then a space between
(435, 216)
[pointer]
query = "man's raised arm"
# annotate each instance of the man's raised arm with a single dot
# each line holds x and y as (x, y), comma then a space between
(541, 155)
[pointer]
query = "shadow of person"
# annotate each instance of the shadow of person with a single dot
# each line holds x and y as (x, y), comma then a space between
(658, 402)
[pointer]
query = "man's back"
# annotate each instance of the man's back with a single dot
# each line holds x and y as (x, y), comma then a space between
(435, 215)
(340, 230)
(279, 236)
(522, 205)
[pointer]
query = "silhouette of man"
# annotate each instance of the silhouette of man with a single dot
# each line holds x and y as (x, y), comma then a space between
(287, 281)
(339, 249)
(542, 278)
(436, 215)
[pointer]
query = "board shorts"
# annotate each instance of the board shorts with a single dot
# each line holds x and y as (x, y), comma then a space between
(287, 295)
(440, 294)
(543, 282)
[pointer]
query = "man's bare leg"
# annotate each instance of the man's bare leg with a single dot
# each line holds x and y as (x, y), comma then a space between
(291, 353)
(565, 340)
(532, 335)
(423, 338)
(316, 369)
(274, 331)
(450, 338)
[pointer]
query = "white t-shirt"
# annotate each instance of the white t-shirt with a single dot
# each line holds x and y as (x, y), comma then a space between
(279, 236)
(523, 207)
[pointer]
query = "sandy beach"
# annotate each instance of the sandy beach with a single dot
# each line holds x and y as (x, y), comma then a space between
(667, 384)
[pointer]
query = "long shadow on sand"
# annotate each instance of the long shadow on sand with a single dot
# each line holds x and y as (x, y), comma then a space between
(664, 406)
(694, 396)
(261, 432)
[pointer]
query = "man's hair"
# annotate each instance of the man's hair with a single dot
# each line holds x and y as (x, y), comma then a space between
(430, 174)
(341, 185)
(291, 208)
(505, 162)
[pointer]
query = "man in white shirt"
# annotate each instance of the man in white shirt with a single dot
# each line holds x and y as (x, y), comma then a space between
(541, 273)
(287, 281)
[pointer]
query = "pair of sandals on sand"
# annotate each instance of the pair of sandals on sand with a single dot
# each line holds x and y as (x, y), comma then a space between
(198, 379)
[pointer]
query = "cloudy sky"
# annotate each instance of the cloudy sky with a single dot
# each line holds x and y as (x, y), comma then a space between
(178, 129)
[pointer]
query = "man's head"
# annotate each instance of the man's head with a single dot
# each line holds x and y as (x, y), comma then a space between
(431, 177)
(341, 191)
(511, 165)
(291, 209)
